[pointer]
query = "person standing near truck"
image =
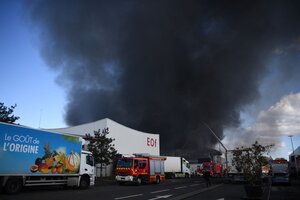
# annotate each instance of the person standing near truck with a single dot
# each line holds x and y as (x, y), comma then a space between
(206, 177)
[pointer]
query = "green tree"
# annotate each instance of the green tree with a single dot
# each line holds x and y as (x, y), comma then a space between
(102, 148)
(6, 114)
(249, 161)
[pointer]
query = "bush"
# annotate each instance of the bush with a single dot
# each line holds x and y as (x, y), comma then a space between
(249, 161)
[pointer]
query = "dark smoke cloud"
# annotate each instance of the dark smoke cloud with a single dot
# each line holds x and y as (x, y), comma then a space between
(163, 66)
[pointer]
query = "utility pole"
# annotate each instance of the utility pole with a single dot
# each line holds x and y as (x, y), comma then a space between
(295, 157)
(215, 135)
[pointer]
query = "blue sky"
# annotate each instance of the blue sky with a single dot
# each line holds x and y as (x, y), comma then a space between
(28, 82)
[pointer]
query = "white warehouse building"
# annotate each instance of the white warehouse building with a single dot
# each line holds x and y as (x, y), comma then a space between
(127, 140)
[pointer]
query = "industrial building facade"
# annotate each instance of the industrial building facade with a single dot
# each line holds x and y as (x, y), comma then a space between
(127, 140)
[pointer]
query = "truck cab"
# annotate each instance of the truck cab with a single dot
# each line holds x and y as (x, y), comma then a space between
(279, 172)
(87, 170)
(214, 169)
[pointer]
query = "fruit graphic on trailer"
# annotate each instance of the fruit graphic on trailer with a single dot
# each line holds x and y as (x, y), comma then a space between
(43, 168)
(34, 168)
(49, 161)
(53, 170)
(59, 170)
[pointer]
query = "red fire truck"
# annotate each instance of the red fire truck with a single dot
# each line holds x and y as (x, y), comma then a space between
(215, 169)
(140, 168)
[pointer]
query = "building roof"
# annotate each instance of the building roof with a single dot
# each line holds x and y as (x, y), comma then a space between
(126, 140)
(297, 151)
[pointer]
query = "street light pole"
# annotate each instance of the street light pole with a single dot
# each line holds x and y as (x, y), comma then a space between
(226, 162)
(295, 158)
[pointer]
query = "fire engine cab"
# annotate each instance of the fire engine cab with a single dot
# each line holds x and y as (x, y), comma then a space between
(140, 168)
(215, 169)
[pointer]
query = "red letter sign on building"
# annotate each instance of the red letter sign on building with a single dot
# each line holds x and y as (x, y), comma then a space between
(151, 142)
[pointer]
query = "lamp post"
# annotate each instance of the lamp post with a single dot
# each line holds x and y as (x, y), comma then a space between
(295, 158)
(215, 135)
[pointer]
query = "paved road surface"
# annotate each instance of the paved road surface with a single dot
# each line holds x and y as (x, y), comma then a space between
(190, 189)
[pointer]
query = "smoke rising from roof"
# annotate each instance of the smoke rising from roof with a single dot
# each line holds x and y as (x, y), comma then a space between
(162, 66)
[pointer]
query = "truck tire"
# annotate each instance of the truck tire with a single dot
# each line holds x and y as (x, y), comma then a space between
(173, 176)
(84, 183)
(138, 180)
(157, 180)
(13, 186)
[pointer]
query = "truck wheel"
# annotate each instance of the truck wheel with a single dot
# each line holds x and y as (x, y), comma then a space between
(157, 180)
(138, 180)
(13, 186)
(187, 175)
(173, 176)
(84, 183)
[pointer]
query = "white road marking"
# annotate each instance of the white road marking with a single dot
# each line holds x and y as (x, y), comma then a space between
(158, 191)
(126, 197)
(186, 195)
(161, 197)
(180, 187)
(221, 199)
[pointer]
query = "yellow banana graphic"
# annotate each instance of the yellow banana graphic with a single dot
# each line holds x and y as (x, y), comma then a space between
(69, 167)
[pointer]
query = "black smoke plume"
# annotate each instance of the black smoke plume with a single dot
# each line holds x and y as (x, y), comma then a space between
(163, 66)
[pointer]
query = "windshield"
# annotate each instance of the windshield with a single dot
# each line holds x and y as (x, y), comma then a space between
(188, 165)
(90, 160)
(124, 163)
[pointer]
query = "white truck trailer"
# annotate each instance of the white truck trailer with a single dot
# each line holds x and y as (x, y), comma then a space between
(177, 167)
(31, 157)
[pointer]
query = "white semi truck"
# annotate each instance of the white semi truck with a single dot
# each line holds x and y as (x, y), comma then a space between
(177, 167)
(31, 157)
